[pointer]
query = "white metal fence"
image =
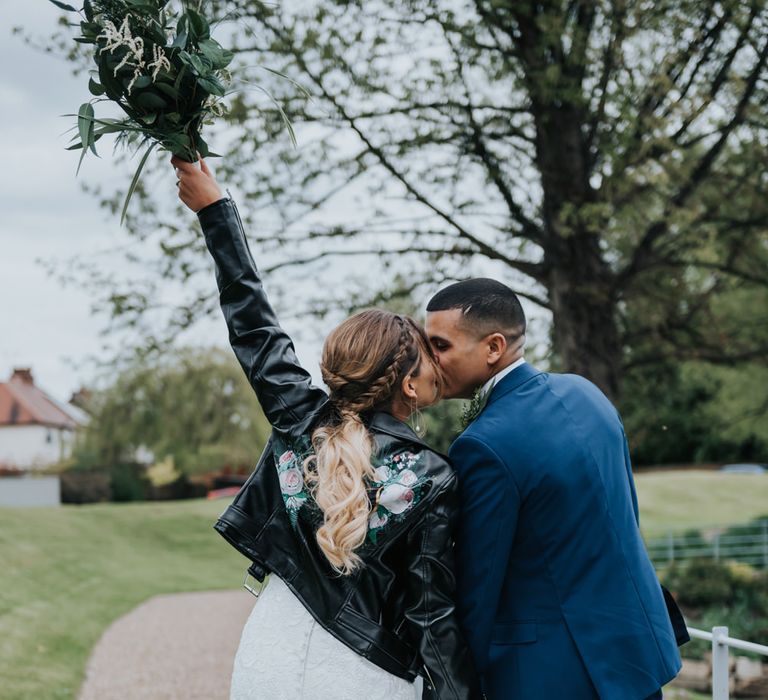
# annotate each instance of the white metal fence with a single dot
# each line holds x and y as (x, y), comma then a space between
(721, 645)
(745, 543)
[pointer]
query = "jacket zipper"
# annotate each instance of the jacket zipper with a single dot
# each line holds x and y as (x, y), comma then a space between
(431, 682)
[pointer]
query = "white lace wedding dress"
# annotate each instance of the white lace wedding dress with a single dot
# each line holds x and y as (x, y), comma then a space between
(284, 654)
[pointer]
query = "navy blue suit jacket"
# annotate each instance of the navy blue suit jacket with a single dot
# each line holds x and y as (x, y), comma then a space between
(556, 593)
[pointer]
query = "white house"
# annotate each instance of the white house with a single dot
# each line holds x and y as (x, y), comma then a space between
(35, 429)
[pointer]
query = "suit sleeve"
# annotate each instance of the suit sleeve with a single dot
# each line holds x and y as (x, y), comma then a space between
(679, 626)
(431, 611)
(262, 347)
(488, 513)
(630, 478)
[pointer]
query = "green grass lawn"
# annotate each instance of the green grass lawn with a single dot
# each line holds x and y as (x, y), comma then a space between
(66, 573)
(688, 499)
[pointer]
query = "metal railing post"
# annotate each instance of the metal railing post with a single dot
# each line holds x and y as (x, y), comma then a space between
(720, 662)
(765, 543)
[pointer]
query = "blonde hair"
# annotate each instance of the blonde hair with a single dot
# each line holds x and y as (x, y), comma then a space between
(364, 362)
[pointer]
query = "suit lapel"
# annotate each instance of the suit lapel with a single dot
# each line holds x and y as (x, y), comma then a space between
(517, 377)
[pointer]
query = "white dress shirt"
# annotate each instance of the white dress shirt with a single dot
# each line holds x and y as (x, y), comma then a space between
(496, 378)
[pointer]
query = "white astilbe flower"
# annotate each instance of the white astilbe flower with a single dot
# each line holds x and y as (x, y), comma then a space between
(115, 38)
(159, 61)
(217, 108)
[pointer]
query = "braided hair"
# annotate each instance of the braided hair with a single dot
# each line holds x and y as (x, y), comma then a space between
(365, 360)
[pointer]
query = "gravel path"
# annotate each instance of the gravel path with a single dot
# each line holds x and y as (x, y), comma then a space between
(168, 648)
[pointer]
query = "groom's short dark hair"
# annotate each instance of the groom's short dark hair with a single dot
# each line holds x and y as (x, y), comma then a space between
(487, 306)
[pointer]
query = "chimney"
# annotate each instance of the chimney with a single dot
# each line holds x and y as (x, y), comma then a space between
(23, 375)
(81, 398)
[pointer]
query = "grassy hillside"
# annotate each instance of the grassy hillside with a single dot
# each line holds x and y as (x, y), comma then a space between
(68, 572)
(683, 499)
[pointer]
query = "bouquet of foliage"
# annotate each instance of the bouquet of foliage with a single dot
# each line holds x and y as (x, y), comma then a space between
(161, 67)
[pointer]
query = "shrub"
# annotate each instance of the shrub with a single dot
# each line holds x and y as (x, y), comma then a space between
(85, 487)
(700, 583)
(128, 482)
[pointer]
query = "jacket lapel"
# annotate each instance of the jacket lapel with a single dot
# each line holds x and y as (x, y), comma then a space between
(383, 422)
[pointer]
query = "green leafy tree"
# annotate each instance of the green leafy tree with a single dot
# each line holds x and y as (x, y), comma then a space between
(583, 151)
(194, 406)
(709, 408)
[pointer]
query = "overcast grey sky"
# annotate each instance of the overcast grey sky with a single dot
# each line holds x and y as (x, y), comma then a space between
(44, 324)
(45, 215)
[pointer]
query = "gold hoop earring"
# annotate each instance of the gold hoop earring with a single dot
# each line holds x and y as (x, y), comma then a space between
(416, 419)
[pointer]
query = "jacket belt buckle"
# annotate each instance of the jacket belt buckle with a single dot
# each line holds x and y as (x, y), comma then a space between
(255, 591)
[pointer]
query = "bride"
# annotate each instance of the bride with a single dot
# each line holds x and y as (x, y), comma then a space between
(348, 509)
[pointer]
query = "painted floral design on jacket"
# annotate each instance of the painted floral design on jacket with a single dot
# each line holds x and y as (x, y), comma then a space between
(395, 489)
(289, 460)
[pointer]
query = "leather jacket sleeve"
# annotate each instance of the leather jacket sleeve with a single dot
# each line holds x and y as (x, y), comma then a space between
(430, 604)
(265, 352)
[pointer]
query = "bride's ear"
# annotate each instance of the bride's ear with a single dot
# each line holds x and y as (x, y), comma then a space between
(408, 388)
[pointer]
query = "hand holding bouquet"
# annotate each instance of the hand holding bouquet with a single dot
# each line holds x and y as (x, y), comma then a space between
(161, 67)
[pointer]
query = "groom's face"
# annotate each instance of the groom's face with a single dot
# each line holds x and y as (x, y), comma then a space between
(463, 356)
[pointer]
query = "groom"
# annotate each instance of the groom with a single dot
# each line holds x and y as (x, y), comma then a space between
(556, 593)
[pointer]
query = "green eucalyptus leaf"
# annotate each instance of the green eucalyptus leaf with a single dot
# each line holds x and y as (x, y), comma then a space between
(142, 81)
(213, 51)
(167, 89)
(194, 61)
(198, 25)
(78, 146)
(135, 181)
(85, 126)
(107, 128)
(180, 41)
(182, 33)
(64, 6)
(212, 86)
(141, 5)
(202, 147)
(112, 85)
(150, 101)
(95, 88)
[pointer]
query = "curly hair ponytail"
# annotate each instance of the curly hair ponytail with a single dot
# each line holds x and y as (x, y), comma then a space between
(364, 361)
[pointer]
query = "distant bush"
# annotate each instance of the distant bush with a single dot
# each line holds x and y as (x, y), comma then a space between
(714, 593)
(128, 482)
(705, 583)
(181, 488)
(80, 487)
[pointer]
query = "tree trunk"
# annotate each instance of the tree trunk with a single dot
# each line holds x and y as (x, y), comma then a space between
(585, 334)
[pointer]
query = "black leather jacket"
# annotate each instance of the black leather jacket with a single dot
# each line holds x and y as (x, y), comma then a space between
(397, 610)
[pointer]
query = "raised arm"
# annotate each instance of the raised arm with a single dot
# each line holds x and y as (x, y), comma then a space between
(265, 352)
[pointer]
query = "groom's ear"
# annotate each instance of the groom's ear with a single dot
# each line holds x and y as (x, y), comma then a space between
(497, 346)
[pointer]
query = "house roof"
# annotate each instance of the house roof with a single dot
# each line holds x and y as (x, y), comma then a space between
(23, 403)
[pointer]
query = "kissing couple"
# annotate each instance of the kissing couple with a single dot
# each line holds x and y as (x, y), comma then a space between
(512, 568)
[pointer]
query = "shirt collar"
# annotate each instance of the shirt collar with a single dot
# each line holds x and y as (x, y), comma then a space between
(496, 378)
